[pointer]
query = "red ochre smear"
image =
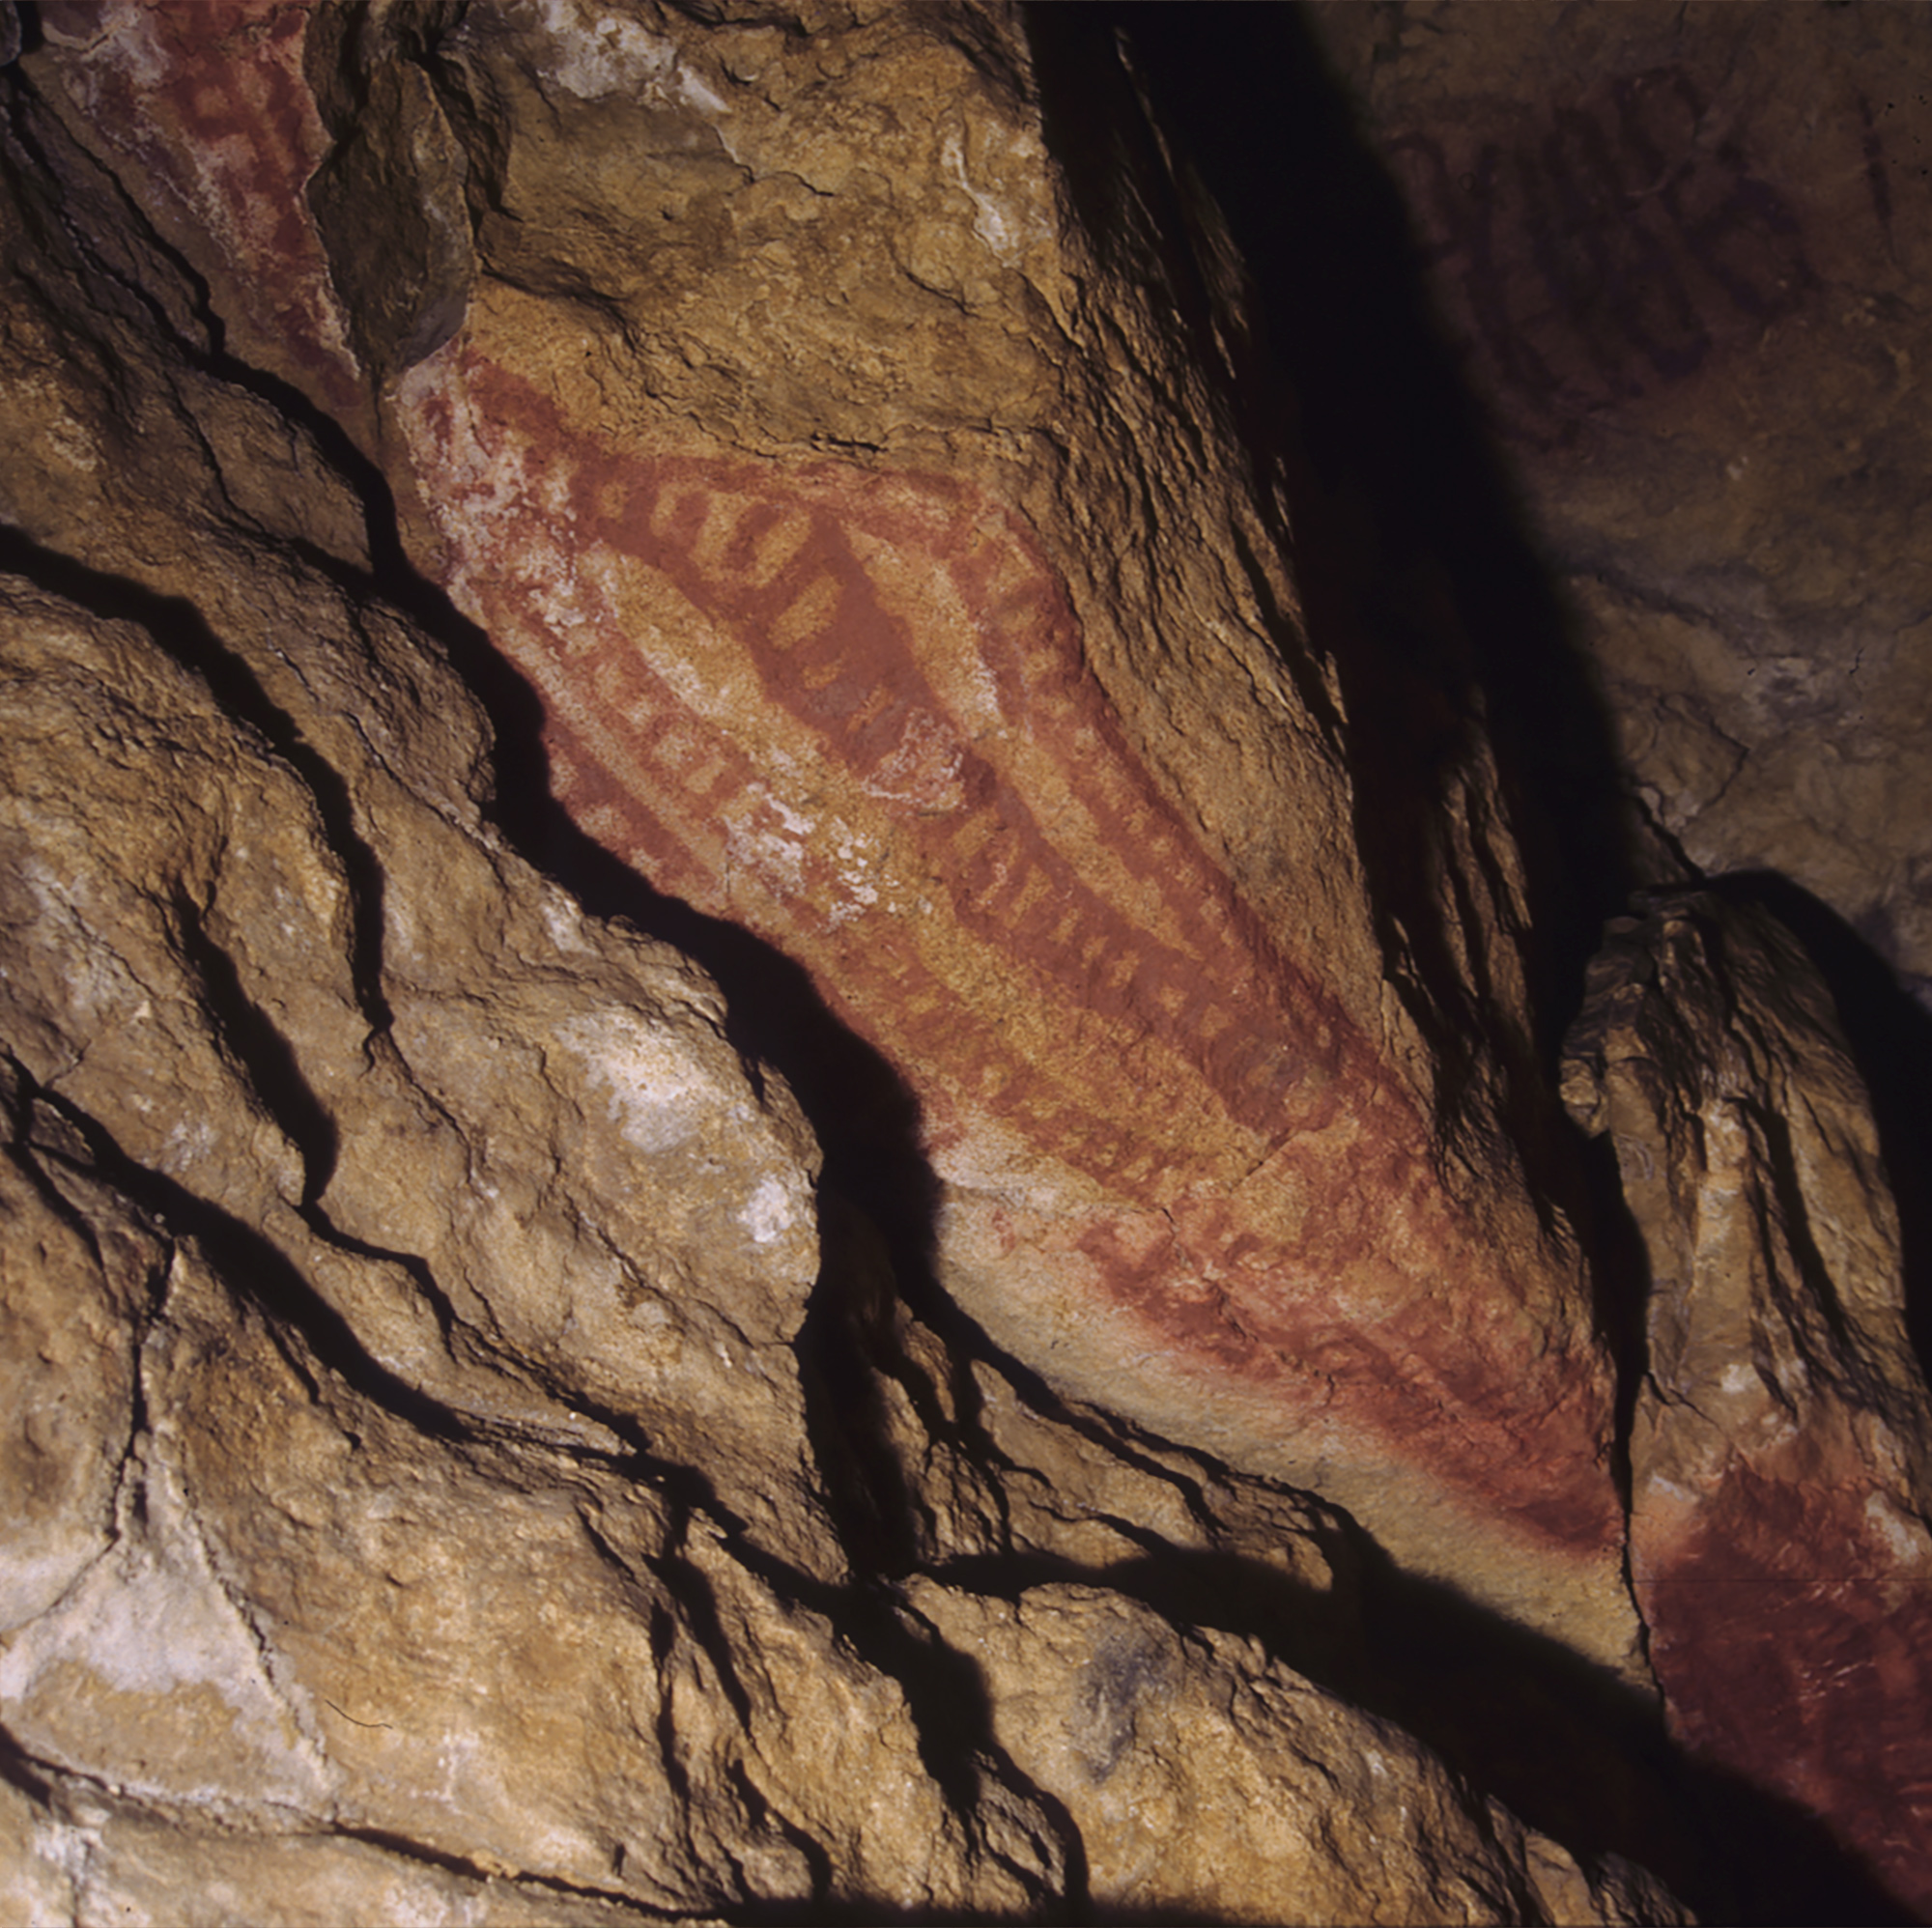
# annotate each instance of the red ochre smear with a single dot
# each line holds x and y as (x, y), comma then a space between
(212, 106)
(1792, 1652)
(1448, 1372)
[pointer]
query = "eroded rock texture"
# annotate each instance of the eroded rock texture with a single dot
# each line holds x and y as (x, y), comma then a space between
(482, 1574)
(811, 482)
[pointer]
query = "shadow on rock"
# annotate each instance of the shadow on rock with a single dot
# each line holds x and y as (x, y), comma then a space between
(1588, 1761)
(1567, 1748)
(1412, 549)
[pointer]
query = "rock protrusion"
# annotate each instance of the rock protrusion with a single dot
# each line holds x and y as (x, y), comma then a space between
(1781, 1494)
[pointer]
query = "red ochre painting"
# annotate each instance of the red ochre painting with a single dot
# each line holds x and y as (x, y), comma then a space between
(210, 103)
(1791, 1628)
(850, 711)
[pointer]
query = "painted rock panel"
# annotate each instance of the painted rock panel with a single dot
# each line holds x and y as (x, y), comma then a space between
(899, 769)
(1002, 723)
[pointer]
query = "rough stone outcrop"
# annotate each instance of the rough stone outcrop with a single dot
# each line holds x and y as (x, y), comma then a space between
(1204, 1779)
(418, 1500)
(400, 1318)
(1682, 254)
(810, 480)
(897, 588)
(1781, 1483)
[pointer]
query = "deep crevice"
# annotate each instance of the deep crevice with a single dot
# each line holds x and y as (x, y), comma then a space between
(449, 1862)
(239, 1253)
(182, 634)
(22, 1772)
(693, 1592)
(269, 1060)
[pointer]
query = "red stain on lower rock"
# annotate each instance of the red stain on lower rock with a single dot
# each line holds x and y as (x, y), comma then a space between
(1796, 1654)
(1051, 947)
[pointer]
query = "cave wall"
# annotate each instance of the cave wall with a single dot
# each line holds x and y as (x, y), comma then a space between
(1680, 254)
(783, 1123)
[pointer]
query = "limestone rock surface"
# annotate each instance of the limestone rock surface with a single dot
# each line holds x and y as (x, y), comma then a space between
(191, 974)
(422, 1495)
(323, 1537)
(484, 1441)
(896, 587)
(1781, 1494)
(1683, 252)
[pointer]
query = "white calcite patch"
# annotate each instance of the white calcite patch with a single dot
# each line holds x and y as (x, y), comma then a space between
(772, 853)
(1002, 227)
(151, 1626)
(97, 985)
(122, 34)
(1905, 1538)
(657, 1095)
(770, 1211)
(563, 922)
(600, 55)
(30, 1585)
